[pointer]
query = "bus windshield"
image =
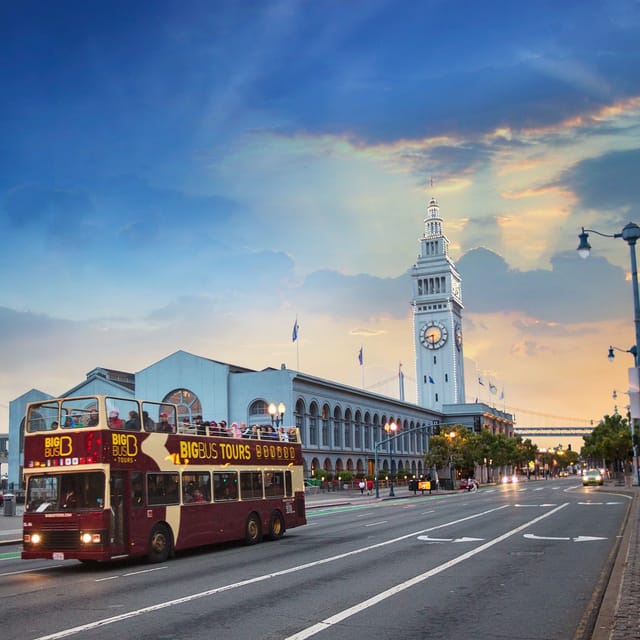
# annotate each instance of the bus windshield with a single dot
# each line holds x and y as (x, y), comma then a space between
(65, 492)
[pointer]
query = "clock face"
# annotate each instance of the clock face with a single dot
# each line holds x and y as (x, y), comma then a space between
(458, 337)
(433, 335)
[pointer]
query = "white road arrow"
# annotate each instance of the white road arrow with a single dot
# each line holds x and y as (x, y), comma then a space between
(428, 539)
(532, 536)
(468, 539)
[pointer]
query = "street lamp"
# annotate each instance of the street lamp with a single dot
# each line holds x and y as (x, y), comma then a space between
(630, 234)
(451, 435)
(391, 428)
(611, 355)
(276, 413)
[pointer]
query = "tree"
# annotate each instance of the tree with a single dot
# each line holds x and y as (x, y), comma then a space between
(610, 442)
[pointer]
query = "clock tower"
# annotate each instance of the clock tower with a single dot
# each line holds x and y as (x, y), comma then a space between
(437, 318)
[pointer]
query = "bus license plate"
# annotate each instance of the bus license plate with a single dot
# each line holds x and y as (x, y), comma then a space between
(57, 555)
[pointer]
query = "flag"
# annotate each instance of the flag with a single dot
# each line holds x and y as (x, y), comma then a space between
(431, 380)
(502, 394)
(493, 388)
(400, 374)
(480, 381)
(360, 356)
(294, 334)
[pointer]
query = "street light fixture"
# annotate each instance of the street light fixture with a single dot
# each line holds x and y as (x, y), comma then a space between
(630, 234)
(276, 413)
(611, 356)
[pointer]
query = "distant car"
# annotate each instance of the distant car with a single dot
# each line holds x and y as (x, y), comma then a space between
(564, 474)
(509, 479)
(592, 477)
(468, 485)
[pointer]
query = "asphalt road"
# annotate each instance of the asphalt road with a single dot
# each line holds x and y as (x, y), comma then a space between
(524, 561)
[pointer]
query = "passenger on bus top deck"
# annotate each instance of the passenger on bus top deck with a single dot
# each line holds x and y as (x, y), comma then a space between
(93, 417)
(115, 421)
(133, 423)
(163, 425)
(149, 424)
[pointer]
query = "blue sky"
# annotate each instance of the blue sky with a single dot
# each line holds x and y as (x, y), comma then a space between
(194, 175)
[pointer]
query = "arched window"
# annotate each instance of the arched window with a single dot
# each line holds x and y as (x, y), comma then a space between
(347, 428)
(313, 424)
(258, 408)
(189, 405)
(358, 431)
(337, 428)
(325, 425)
(367, 431)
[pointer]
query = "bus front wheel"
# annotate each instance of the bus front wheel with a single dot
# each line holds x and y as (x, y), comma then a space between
(159, 544)
(253, 530)
(276, 526)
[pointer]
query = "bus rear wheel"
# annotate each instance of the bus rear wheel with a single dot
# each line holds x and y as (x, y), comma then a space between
(253, 530)
(276, 526)
(159, 544)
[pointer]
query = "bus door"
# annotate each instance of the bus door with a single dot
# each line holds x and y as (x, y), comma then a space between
(117, 528)
(137, 515)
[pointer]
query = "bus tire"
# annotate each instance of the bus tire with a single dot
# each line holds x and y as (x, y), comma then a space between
(253, 530)
(159, 544)
(276, 526)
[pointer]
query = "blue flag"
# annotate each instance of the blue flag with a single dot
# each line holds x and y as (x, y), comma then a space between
(360, 357)
(294, 335)
(480, 381)
(431, 380)
(493, 388)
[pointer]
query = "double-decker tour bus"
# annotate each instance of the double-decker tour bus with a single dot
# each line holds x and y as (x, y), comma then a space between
(110, 477)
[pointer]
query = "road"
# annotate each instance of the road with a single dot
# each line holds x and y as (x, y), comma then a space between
(523, 561)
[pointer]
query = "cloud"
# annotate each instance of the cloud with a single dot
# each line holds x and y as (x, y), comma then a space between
(567, 292)
(608, 183)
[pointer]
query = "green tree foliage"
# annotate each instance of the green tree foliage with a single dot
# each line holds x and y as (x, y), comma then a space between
(609, 441)
(466, 450)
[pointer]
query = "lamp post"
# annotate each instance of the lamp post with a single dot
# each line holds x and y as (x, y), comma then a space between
(451, 435)
(630, 234)
(391, 428)
(276, 413)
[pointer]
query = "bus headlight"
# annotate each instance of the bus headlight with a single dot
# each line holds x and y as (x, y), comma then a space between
(32, 538)
(90, 537)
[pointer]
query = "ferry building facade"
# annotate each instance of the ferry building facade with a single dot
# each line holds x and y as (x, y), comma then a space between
(342, 427)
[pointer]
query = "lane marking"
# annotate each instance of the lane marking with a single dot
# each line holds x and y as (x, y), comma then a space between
(327, 623)
(375, 524)
(65, 633)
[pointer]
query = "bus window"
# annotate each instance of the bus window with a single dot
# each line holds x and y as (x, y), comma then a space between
(78, 413)
(288, 483)
(123, 415)
(137, 489)
(162, 488)
(273, 484)
(196, 487)
(45, 418)
(225, 486)
(65, 492)
(250, 484)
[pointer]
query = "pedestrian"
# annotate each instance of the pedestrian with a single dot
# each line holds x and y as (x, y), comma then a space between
(369, 486)
(361, 485)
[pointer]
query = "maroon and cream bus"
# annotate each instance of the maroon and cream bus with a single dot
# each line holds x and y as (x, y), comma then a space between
(110, 478)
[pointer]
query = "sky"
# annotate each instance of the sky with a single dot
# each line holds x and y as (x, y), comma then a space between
(197, 175)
